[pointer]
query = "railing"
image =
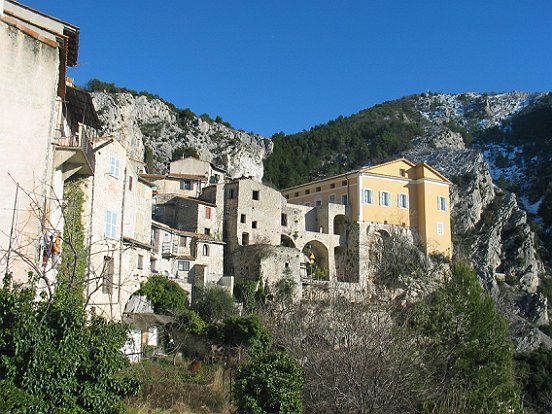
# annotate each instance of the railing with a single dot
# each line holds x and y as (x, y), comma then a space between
(81, 141)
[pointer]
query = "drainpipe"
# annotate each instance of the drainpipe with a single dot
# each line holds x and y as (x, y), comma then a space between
(121, 237)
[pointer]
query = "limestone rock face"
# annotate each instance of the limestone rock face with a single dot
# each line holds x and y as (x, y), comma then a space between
(490, 227)
(139, 122)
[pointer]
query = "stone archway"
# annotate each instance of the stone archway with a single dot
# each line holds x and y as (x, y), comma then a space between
(317, 261)
(340, 222)
(286, 241)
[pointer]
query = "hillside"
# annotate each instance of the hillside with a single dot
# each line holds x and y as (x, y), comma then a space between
(495, 148)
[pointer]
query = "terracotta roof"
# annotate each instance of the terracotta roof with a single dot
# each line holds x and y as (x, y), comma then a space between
(371, 167)
(138, 243)
(187, 176)
(192, 199)
(151, 176)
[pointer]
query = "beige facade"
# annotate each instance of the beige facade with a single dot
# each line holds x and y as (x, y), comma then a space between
(117, 218)
(42, 143)
(188, 258)
(187, 177)
(397, 193)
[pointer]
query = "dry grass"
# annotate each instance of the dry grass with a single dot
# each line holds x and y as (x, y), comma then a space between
(172, 389)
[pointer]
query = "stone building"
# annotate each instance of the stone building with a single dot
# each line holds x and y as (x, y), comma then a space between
(396, 193)
(45, 131)
(193, 260)
(117, 220)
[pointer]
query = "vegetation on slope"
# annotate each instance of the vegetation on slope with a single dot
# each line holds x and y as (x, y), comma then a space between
(343, 144)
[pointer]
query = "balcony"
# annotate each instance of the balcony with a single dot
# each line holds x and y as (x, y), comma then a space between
(74, 154)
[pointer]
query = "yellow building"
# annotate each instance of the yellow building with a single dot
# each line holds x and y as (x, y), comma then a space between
(397, 193)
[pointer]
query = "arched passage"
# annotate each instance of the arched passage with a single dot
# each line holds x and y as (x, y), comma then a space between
(340, 224)
(316, 257)
(286, 241)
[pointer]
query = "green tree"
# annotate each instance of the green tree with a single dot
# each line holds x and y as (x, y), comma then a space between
(270, 382)
(468, 345)
(244, 331)
(214, 304)
(52, 360)
(165, 295)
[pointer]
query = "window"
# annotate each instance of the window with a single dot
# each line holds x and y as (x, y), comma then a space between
(183, 265)
(296, 194)
(140, 262)
(368, 196)
(208, 213)
(245, 239)
(108, 272)
(345, 199)
(403, 201)
(243, 218)
(317, 203)
(307, 192)
(255, 194)
(183, 241)
(130, 183)
(253, 224)
(284, 219)
(205, 250)
(318, 189)
(385, 198)
(110, 224)
(442, 204)
(332, 198)
(344, 183)
(207, 231)
(186, 185)
(402, 172)
(231, 193)
(440, 228)
(114, 167)
(332, 185)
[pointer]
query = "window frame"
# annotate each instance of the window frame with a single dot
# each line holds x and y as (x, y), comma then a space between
(442, 203)
(403, 196)
(115, 167)
(182, 264)
(440, 228)
(110, 224)
(370, 199)
(345, 199)
(387, 195)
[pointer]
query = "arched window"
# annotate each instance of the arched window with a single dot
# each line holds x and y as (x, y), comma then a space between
(205, 250)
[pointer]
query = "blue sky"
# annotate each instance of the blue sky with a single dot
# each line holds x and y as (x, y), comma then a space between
(269, 66)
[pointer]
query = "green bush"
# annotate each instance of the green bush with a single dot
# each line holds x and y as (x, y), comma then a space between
(165, 295)
(213, 304)
(53, 361)
(270, 382)
(469, 346)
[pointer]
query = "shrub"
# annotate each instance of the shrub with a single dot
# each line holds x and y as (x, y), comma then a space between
(165, 295)
(53, 360)
(269, 383)
(214, 304)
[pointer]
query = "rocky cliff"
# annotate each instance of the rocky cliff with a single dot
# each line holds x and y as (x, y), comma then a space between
(496, 150)
(156, 132)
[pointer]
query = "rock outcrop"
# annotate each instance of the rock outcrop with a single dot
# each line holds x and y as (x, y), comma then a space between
(153, 131)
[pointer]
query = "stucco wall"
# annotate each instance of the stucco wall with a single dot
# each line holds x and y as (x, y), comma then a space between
(28, 108)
